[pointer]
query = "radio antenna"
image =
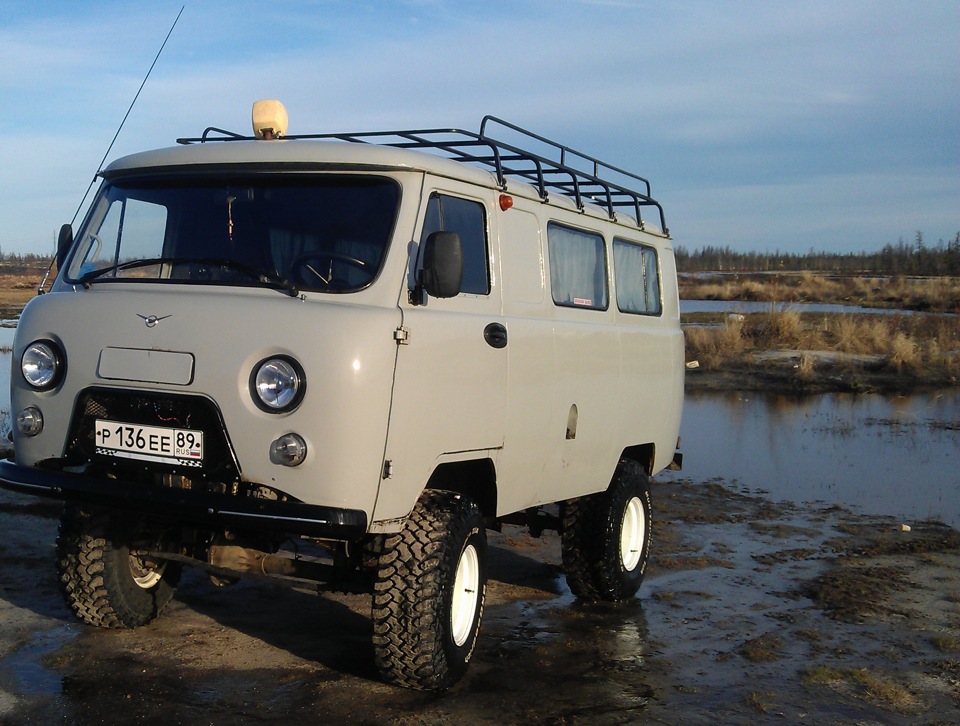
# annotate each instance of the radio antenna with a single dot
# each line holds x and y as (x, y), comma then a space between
(93, 181)
(120, 127)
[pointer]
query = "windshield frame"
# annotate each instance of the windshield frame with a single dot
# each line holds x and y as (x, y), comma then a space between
(272, 179)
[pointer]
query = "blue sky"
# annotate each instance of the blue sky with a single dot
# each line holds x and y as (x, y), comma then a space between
(761, 125)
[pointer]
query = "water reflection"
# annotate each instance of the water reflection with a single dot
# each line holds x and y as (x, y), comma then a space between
(884, 455)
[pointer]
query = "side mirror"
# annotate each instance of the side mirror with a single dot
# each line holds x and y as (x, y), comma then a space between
(442, 272)
(64, 243)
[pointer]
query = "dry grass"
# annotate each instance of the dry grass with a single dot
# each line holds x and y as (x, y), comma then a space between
(934, 294)
(946, 643)
(864, 684)
(762, 649)
(715, 346)
(805, 368)
(17, 290)
(757, 701)
(781, 329)
(903, 343)
(904, 352)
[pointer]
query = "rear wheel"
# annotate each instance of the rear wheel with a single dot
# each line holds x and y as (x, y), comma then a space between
(606, 537)
(104, 577)
(429, 592)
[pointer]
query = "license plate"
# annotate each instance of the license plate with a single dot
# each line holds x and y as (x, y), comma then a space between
(182, 447)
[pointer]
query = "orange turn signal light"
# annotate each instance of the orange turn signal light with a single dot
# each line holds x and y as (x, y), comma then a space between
(506, 201)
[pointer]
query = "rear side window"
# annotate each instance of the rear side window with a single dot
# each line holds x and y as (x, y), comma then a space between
(578, 267)
(638, 278)
(467, 219)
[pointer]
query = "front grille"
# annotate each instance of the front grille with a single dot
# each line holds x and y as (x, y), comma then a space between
(151, 409)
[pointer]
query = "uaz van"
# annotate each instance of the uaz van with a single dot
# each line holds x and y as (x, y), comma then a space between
(340, 359)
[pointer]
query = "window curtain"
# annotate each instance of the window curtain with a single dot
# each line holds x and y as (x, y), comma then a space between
(577, 267)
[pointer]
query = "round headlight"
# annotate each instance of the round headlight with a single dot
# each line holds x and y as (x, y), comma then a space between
(42, 365)
(278, 384)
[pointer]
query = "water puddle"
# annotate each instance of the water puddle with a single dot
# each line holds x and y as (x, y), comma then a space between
(26, 664)
(897, 456)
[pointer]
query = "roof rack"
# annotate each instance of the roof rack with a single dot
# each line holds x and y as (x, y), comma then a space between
(507, 160)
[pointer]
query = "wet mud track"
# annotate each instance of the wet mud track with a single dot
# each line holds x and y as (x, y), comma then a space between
(751, 612)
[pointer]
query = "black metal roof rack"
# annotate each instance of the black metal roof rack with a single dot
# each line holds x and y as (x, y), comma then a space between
(558, 174)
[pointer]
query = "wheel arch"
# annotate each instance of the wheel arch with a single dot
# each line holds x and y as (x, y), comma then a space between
(643, 454)
(474, 478)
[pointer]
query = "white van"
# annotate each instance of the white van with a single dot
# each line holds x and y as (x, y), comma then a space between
(340, 359)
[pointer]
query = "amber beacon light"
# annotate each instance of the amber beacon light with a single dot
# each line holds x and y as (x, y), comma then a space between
(269, 119)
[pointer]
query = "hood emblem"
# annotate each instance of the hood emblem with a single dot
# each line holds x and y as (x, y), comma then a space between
(152, 320)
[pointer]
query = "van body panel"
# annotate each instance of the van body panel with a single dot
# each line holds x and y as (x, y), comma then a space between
(614, 373)
(347, 352)
(451, 384)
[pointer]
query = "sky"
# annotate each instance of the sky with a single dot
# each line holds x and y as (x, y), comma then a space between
(762, 126)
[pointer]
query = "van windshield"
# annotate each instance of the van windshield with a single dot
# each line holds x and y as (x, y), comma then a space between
(326, 234)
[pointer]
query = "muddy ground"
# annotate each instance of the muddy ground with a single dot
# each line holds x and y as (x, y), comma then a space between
(779, 370)
(751, 612)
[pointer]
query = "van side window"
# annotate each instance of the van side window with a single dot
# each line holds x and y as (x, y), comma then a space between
(467, 219)
(578, 267)
(638, 278)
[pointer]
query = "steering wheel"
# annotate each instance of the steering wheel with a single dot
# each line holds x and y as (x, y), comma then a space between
(307, 270)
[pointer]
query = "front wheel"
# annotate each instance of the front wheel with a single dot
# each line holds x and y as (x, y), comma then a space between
(104, 577)
(606, 537)
(429, 592)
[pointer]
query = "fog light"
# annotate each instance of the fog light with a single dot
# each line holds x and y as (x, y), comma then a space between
(288, 450)
(30, 421)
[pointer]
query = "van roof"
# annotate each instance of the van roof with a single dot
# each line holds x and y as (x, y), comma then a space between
(294, 152)
(553, 170)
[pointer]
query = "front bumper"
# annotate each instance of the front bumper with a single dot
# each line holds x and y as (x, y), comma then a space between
(188, 506)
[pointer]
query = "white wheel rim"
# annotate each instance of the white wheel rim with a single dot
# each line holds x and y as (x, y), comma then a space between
(144, 577)
(466, 595)
(632, 534)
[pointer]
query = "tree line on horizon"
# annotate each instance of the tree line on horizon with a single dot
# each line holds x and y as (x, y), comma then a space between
(903, 258)
(14, 263)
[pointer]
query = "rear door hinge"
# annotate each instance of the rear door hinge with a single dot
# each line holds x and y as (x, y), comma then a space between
(401, 335)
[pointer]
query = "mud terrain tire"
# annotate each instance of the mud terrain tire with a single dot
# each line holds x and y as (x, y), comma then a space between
(606, 537)
(429, 592)
(102, 583)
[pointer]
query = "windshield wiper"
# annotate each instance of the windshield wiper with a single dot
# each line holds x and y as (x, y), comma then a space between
(260, 275)
(87, 277)
(263, 276)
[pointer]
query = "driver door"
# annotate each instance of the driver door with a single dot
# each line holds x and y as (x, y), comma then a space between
(449, 387)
